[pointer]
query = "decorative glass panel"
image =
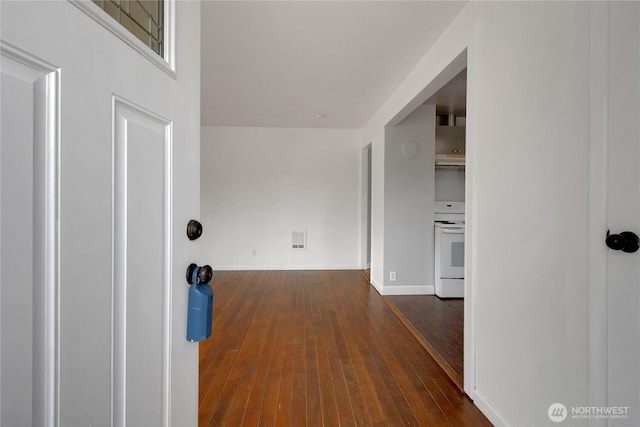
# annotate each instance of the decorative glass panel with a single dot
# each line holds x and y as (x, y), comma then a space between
(143, 18)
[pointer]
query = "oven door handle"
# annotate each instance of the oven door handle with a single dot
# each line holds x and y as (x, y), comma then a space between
(453, 231)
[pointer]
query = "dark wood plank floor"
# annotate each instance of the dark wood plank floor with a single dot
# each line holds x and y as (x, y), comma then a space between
(318, 348)
(440, 326)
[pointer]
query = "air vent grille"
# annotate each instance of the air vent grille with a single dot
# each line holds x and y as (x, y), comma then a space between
(298, 240)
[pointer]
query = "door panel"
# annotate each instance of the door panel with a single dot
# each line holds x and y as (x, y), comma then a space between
(16, 264)
(142, 258)
(28, 236)
(624, 208)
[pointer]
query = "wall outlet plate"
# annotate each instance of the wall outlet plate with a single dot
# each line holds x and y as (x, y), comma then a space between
(392, 276)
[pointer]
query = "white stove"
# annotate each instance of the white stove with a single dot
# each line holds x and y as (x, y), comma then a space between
(449, 249)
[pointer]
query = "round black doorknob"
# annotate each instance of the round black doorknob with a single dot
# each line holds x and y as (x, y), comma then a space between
(194, 229)
(627, 241)
(205, 274)
(192, 267)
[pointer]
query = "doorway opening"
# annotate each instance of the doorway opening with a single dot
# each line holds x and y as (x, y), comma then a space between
(443, 325)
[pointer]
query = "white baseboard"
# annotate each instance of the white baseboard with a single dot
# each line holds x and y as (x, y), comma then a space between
(252, 267)
(488, 410)
(376, 286)
(408, 290)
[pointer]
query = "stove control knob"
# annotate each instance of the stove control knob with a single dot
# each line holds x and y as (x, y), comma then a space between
(627, 241)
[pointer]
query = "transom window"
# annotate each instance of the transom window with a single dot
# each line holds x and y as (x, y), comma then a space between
(142, 18)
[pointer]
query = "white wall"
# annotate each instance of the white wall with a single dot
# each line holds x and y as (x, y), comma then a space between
(527, 186)
(409, 190)
(260, 184)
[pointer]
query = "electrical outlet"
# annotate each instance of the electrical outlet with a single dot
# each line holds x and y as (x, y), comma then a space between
(392, 276)
(254, 252)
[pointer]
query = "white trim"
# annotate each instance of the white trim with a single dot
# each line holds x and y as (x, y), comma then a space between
(52, 244)
(47, 191)
(471, 249)
(119, 267)
(166, 64)
(253, 267)
(168, 283)
(489, 411)
(404, 290)
(409, 290)
(170, 36)
(376, 286)
(366, 153)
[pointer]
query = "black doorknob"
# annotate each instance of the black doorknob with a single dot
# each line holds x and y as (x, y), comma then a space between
(194, 229)
(205, 274)
(627, 241)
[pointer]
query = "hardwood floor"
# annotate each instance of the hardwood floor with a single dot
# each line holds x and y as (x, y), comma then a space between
(439, 326)
(318, 348)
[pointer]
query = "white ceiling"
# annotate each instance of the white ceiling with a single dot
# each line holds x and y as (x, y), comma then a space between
(281, 63)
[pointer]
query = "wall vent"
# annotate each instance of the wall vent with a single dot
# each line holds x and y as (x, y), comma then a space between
(298, 240)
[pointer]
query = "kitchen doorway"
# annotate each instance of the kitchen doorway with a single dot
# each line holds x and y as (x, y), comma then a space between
(440, 324)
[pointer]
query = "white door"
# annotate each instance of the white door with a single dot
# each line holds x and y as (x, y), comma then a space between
(624, 209)
(99, 175)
